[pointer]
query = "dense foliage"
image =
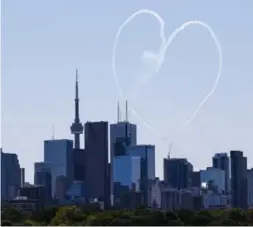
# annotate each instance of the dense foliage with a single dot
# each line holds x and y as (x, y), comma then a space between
(72, 215)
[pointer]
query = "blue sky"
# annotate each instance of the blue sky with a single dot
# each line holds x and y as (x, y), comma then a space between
(44, 41)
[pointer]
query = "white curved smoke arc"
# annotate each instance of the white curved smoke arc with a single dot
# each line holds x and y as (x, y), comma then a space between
(160, 57)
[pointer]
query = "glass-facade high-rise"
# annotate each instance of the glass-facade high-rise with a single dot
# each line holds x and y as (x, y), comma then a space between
(221, 161)
(178, 172)
(147, 156)
(119, 132)
(96, 167)
(42, 176)
(127, 171)
(239, 180)
(59, 153)
(250, 188)
(79, 156)
(10, 176)
(215, 177)
(122, 135)
(126, 180)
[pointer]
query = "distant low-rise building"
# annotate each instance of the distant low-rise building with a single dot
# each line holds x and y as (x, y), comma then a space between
(186, 199)
(170, 199)
(212, 200)
(24, 204)
(34, 192)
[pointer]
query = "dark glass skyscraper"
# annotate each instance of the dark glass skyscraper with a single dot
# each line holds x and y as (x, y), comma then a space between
(221, 161)
(178, 172)
(196, 182)
(59, 153)
(146, 153)
(79, 164)
(10, 176)
(122, 135)
(42, 176)
(96, 148)
(239, 180)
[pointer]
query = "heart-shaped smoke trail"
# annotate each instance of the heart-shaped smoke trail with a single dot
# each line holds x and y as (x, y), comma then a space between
(159, 57)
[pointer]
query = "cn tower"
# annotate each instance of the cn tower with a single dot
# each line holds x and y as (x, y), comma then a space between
(77, 127)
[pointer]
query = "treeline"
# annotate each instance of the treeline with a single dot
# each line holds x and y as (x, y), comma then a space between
(80, 216)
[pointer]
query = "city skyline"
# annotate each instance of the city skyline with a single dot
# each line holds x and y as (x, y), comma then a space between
(39, 77)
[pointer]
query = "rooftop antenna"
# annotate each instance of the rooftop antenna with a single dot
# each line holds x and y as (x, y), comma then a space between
(170, 147)
(126, 111)
(118, 114)
(52, 132)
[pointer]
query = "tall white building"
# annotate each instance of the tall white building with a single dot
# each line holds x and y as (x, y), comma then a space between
(59, 153)
(214, 176)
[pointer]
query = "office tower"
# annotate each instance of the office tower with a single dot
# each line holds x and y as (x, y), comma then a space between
(126, 180)
(42, 176)
(59, 153)
(196, 179)
(77, 127)
(122, 135)
(79, 164)
(178, 172)
(96, 148)
(147, 156)
(127, 171)
(213, 177)
(10, 176)
(22, 172)
(250, 188)
(221, 161)
(238, 179)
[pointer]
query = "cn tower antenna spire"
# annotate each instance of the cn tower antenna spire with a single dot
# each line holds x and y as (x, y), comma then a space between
(77, 127)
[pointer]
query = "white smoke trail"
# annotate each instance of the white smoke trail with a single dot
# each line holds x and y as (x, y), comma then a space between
(159, 57)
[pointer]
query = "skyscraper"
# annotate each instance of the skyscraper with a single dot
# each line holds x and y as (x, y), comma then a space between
(178, 172)
(147, 157)
(42, 176)
(250, 188)
(96, 166)
(77, 127)
(59, 153)
(10, 176)
(221, 161)
(239, 180)
(122, 135)
(126, 180)
(22, 172)
(214, 177)
(79, 156)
